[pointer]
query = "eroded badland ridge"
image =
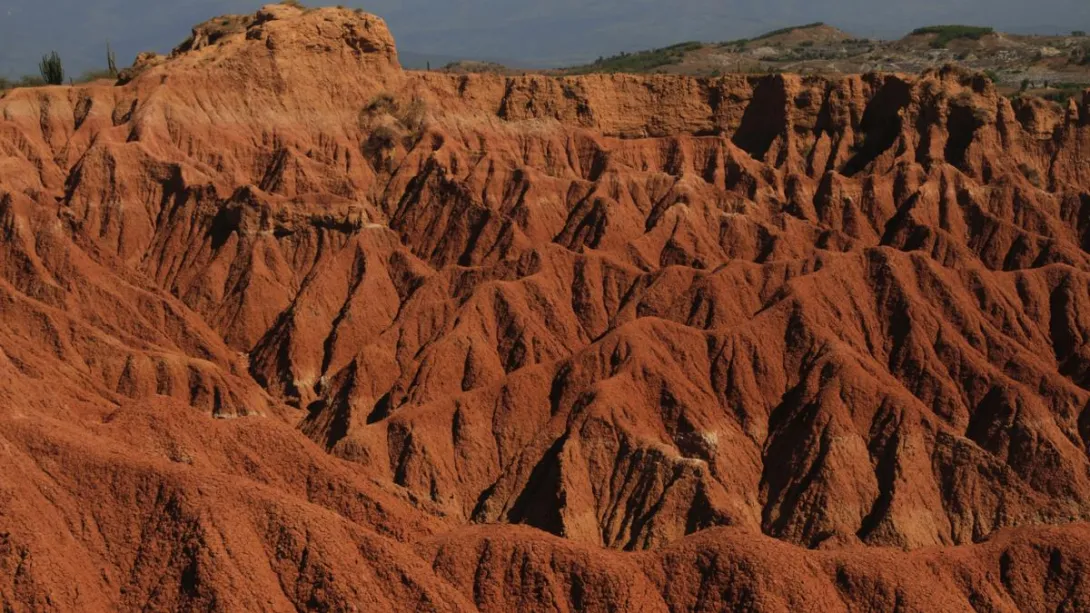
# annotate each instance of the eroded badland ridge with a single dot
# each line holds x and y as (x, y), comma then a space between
(285, 327)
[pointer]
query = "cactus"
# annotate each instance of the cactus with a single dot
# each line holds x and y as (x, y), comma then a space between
(111, 61)
(51, 69)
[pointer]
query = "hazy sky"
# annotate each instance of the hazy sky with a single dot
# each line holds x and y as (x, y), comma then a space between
(535, 32)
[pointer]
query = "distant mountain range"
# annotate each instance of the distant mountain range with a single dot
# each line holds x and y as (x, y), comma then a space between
(518, 32)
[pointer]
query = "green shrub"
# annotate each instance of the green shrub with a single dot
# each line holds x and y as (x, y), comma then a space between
(641, 61)
(737, 45)
(808, 26)
(30, 81)
(947, 34)
(96, 75)
(24, 81)
(51, 69)
(1064, 91)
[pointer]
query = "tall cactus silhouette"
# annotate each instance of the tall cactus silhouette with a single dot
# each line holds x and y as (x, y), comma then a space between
(51, 69)
(111, 60)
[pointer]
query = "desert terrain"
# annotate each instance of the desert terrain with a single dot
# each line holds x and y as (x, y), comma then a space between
(285, 327)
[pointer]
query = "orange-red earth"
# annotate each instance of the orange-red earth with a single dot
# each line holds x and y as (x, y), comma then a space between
(285, 327)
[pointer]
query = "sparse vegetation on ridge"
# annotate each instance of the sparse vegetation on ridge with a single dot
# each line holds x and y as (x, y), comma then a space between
(946, 34)
(741, 42)
(24, 81)
(95, 75)
(819, 48)
(1062, 92)
(781, 31)
(640, 61)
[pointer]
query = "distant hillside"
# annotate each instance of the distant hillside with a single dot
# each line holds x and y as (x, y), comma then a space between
(1050, 64)
(941, 36)
(817, 32)
(640, 61)
(653, 60)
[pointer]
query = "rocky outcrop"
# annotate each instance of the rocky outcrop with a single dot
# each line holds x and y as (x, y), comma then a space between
(706, 328)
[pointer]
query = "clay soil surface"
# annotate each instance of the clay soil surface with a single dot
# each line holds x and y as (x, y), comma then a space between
(284, 327)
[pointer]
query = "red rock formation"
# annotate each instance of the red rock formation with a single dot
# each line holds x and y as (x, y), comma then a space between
(752, 343)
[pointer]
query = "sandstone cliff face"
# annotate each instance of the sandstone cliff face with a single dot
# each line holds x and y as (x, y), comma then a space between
(690, 327)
